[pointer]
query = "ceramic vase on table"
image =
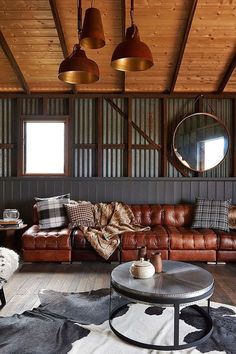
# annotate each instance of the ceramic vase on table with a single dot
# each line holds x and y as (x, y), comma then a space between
(156, 261)
(142, 252)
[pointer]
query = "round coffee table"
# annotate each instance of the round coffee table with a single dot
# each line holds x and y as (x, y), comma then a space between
(179, 284)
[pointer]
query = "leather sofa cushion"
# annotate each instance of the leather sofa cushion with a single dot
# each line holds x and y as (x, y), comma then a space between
(79, 241)
(34, 238)
(178, 215)
(193, 255)
(147, 214)
(227, 240)
(182, 238)
(154, 239)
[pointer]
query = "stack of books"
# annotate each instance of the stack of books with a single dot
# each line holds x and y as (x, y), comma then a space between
(11, 222)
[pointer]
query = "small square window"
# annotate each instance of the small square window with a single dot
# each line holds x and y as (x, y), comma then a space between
(44, 147)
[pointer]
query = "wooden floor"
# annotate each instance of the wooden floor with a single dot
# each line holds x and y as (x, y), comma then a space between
(22, 289)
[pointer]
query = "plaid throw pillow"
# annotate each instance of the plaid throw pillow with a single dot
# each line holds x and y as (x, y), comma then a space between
(211, 214)
(80, 214)
(51, 212)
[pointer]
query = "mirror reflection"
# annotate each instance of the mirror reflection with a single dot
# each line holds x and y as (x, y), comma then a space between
(200, 141)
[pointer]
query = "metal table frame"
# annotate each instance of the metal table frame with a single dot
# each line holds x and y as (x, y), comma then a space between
(137, 298)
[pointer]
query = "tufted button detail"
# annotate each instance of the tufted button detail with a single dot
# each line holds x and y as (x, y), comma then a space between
(148, 214)
(154, 239)
(183, 238)
(178, 215)
(227, 240)
(34, 238)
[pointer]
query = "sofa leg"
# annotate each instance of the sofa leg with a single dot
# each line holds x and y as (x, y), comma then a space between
(216, 263)
(2, 298)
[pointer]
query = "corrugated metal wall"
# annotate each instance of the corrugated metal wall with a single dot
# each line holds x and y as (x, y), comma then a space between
(177, 109)
(223, 110)
(31, 106)
(114, 129)
(146, 114)
(7, 135)
(84, 133)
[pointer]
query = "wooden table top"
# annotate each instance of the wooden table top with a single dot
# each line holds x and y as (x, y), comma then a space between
(20, 227)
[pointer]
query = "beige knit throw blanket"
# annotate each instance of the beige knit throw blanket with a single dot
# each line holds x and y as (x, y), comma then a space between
(111, 220)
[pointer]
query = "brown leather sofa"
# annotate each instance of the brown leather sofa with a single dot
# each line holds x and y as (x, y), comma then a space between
(170, 233)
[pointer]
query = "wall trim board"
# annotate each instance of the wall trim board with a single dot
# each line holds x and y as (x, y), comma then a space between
(18, 192)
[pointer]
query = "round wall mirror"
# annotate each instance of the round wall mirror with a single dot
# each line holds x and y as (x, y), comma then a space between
(200, 141)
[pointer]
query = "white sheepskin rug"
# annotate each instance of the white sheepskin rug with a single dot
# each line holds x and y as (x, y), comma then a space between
(9, 262)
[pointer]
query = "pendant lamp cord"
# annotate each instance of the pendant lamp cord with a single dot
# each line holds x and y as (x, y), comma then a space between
(132, 12)
(79, 18)
(92, 1)
(132, 17)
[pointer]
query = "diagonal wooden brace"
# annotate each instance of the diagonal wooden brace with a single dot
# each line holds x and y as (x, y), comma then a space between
(134, 125)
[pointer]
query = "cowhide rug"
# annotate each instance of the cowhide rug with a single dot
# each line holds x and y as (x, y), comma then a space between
(78, 324)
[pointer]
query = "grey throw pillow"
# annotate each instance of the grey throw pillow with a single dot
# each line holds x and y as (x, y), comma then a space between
(211, 214)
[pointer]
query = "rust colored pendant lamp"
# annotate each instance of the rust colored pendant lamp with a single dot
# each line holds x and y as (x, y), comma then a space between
(77, 68)
(92, 35)
(132, 54)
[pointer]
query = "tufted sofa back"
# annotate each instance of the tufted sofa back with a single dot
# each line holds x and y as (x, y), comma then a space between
(155, 214)
(178, 214)
(148, 214)
(166, 214)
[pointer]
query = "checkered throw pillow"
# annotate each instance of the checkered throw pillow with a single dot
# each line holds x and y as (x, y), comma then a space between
(52, 213)
(80, 214)
(211, 214)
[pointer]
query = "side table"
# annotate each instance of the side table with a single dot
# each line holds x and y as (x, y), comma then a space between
(10, 236)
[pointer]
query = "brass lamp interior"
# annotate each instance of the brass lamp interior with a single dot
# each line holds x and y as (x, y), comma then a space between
(78, 69)
(132, 54)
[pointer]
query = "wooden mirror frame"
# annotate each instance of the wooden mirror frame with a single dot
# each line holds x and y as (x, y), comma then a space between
(199, 114)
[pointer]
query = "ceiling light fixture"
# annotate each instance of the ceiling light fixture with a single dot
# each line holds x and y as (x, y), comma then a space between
(132, 54)
(77, 68)
(92, 35)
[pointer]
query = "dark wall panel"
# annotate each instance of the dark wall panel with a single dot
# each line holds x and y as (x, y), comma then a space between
(19, 192)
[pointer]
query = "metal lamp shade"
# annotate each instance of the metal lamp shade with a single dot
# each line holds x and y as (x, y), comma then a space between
(78, 69)
(92, 35)
(132, 54)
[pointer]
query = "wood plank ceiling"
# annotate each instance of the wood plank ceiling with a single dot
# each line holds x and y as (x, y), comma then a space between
(193, 45)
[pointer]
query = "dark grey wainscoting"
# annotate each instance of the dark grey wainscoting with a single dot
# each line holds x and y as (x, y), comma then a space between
(19, 192)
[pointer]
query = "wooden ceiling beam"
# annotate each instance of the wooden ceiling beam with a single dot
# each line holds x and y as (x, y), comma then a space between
(7, 51)
(227, 75)
(183, 45)
(60, 33)
(59, 29)
(155, 95)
